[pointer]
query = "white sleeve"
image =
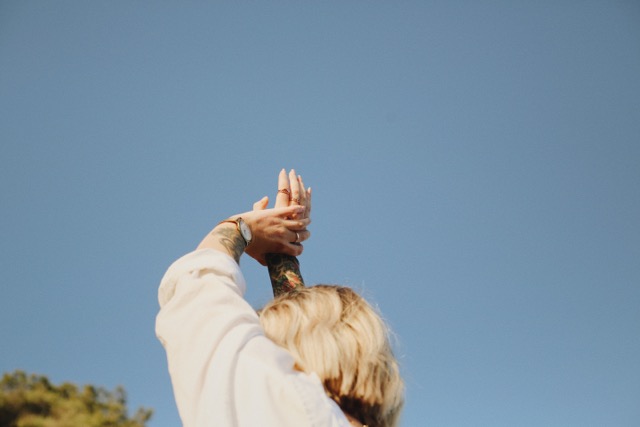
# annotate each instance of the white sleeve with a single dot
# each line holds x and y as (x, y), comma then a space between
(223, 369)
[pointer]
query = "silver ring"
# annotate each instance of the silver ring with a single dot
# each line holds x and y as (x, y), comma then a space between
(297, 237)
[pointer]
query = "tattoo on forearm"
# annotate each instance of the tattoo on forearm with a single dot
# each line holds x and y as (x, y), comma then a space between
(231, 240)
(284, 272)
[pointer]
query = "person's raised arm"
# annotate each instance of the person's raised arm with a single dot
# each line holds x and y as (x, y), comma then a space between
(284, 269)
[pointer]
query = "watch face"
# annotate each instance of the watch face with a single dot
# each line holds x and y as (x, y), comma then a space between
(245, 230)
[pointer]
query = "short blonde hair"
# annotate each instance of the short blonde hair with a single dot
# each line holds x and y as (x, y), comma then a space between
(333, 332)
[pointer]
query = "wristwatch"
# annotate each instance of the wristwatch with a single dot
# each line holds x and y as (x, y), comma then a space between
(243, 228)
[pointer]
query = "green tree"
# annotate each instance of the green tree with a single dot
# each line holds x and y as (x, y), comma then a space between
(32, 401)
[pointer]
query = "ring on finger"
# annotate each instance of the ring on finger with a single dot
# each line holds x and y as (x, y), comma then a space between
(297, 237)
(285, 191)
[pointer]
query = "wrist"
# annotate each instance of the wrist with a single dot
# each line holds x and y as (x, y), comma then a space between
(225, 238)
(242, 227)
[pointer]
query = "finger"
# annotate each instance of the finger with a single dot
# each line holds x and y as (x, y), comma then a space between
(288, 212)
(284, 192)
(295, 187)
(305, 197)
(300, 236)
(296, 224)
(293, 249)
(303, 192)
(261, 204)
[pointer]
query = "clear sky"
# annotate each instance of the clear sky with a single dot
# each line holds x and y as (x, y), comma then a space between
(475, 168)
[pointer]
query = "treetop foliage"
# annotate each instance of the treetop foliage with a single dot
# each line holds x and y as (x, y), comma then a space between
(32, 401)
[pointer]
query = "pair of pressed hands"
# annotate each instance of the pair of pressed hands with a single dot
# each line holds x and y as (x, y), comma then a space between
(278, 230)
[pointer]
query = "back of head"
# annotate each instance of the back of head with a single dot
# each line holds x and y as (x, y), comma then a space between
(333, 332)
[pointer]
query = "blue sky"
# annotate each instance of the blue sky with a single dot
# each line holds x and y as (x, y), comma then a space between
(475, 167)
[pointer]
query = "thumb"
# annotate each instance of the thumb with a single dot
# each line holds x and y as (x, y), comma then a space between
(261, 204)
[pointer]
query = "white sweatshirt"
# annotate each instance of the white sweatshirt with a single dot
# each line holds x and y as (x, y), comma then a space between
(224, 371)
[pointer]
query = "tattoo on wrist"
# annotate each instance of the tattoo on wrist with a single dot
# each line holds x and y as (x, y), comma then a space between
(284, 272)
(231, 240)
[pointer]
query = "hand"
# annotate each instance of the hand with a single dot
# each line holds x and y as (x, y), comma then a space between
(277, 230)
(291, 192)
(273, 231)
(298, 195)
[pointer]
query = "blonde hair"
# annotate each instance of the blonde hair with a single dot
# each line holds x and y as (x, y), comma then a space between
(333, 332)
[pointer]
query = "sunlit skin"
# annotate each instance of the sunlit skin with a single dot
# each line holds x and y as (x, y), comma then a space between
(284, 270)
